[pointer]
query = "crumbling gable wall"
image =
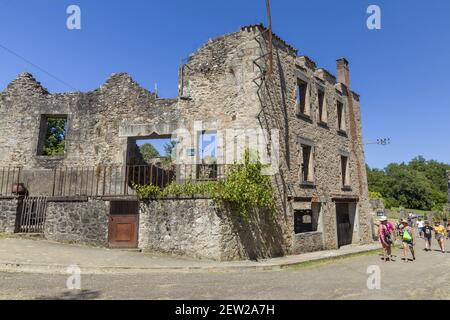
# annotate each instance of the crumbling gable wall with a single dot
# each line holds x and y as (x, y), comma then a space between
(94, 120)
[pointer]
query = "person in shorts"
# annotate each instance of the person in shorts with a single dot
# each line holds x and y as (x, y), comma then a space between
(440, 234)
(420, 225)
(407, 240)
(385, 237)
(427, 235)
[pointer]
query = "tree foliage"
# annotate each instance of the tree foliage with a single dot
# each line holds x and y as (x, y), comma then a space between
(419, 184)
(55, 137)
(148, 151)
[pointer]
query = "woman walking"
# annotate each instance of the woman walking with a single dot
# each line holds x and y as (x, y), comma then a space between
(385, 236)
(440, 234)
(427, 235)
(407, 240)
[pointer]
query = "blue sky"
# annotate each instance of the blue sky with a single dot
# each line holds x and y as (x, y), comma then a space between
(401, 71)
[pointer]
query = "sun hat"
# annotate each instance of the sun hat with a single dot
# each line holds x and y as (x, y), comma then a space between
(383, 218)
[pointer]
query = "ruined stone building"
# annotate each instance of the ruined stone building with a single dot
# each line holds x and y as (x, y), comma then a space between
(84, 196)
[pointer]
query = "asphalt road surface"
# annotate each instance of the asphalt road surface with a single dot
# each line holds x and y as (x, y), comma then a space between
(350, 278)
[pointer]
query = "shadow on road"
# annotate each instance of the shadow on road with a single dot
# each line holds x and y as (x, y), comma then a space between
(74, 295)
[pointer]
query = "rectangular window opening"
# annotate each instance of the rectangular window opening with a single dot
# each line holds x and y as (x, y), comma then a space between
(322, 111)
(52, 136)
(345, 172)
(304, 222)
(302, 106)
(341, 116)
(307, 168)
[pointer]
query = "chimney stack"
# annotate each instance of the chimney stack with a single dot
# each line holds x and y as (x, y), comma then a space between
(343, 72)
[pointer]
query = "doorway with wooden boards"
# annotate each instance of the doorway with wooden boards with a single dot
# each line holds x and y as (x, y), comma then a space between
(123, 224)
(345, 222)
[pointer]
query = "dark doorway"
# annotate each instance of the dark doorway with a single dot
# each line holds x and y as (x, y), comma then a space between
(123, 224)
(344, 225)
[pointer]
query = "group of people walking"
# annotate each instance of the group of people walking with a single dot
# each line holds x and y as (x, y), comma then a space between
(404, 231)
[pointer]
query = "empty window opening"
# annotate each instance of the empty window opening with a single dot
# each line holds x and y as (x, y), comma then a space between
(322, 107)
(303, 107)
(307, 166)
(52, 135)
(345, 174)
(207, 142)
(207, 168)
(304, 221)
(155, 150)
(151, 161)
(341, 116)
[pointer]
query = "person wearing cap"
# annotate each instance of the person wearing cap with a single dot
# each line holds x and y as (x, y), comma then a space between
(427, 234)
(440, 234)
(385, 236)
(407, 240)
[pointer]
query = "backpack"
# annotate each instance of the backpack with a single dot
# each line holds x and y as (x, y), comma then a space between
(406, 235)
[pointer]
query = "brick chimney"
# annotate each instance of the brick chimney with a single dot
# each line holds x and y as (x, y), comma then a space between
(343, 72)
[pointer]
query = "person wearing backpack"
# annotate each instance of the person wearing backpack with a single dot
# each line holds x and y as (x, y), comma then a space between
(407, 240)
(385, 236)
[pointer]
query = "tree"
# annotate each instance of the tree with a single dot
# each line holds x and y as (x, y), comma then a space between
(148, 152)
(55, 139)
(420, 184)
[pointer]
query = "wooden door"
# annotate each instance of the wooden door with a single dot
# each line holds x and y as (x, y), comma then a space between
(344, 227)
(123, 224)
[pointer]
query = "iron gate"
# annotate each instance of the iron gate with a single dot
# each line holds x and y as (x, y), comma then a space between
(32, 216)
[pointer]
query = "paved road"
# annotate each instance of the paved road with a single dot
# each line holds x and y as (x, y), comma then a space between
(426, 278)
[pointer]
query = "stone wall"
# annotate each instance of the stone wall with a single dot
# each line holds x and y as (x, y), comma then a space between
(81, 222)
(8, 213)
(308, 242)
(218, 89)
(197, 228)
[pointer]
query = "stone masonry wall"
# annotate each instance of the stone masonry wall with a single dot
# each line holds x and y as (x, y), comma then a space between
(217, 90)
(279, 110)
(83, 222)
(197, 228)
(8, 212)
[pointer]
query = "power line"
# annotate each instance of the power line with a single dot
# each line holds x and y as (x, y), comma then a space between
(37, 67)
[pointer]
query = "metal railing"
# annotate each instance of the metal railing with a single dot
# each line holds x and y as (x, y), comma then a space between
(10, 178)
(102, 180)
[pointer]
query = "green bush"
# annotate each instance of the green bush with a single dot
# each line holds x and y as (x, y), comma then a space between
(244, 189)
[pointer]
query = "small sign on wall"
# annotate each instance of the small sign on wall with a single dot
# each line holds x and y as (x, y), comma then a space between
(191, 152)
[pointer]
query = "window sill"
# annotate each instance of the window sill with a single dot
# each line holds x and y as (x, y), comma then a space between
(342, 133)
(307, 185)
(304, 117)
(56, 158)
(323, 125)
(307, 233)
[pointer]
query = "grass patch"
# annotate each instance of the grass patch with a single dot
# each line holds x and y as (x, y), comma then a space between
(331, 260)
(5, 235)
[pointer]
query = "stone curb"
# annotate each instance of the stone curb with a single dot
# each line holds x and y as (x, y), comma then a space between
(15, 267)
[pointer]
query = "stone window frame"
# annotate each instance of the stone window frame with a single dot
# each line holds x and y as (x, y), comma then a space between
(345, 180)
(42, 132)
(310, 181)
(342, 116)
(301, 79)
(322, 108)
